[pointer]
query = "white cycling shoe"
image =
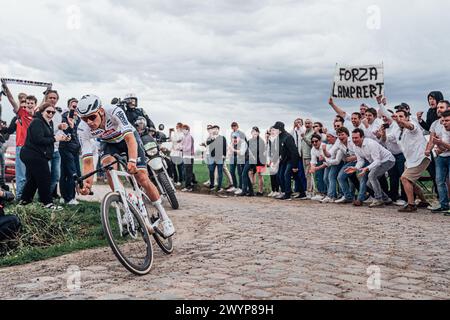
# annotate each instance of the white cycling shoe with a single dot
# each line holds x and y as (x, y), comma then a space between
(167, 228)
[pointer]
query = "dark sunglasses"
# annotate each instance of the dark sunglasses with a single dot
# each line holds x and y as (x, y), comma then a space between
(89, 118)
(314, 141)
(50, 112)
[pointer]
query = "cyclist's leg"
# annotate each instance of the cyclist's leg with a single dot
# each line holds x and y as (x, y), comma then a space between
(144, 181)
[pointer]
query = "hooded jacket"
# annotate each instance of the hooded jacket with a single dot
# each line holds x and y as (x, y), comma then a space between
(432, 115)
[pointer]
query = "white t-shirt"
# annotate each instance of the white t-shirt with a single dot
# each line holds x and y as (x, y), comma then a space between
(117, 127)
(438, 128)
(316, 154)
(413, 145)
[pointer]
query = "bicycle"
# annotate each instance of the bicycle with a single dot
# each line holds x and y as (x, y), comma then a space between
(128, 219)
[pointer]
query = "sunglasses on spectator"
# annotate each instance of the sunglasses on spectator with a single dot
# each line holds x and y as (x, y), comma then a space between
(314, 141)
(89, 118)
(52, 113)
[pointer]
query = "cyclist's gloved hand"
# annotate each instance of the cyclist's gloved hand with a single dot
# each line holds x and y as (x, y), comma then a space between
(131, 167)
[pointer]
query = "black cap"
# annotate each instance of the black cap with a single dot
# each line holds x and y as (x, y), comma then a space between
(403, 106)
(279, 126)
(255, 129)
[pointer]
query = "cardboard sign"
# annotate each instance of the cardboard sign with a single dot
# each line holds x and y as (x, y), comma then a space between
(358, 82)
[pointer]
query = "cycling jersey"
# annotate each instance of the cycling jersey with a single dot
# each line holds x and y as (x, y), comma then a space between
(117, 127)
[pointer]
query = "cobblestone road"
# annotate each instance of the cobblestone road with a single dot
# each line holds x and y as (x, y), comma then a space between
(263, 249)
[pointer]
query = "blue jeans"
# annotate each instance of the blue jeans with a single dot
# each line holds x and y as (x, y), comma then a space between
(300, 177)
(21, 174)
(320, 183)
(343, 179)
(240, 169)
(55, 169)
(442, 172)
(212, 169)
(330, 179)
(363, 185)
(70, 165)
(247, 186)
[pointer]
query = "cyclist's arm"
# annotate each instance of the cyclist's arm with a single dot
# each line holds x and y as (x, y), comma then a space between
(132, 146)
(87, 149)
(88, 166)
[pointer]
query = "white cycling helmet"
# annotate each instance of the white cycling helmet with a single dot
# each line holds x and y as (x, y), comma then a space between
(88, 105)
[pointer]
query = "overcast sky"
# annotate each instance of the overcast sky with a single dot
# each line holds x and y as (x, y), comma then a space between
(214, 62)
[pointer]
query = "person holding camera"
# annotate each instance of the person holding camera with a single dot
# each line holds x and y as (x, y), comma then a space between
(70, 153)
(36, 154)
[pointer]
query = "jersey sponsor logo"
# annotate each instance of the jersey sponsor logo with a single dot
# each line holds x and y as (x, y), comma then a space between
(122, 117)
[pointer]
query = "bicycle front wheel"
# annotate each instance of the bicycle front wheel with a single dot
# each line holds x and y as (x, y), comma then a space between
(128, 237)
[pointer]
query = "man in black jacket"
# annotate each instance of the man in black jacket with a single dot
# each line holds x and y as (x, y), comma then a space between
(433, 99)
(289, 160)
(217, 146)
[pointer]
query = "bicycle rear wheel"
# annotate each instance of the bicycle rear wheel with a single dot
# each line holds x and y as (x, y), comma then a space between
(132, 247)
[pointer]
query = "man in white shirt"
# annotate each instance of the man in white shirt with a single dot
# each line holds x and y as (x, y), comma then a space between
(413, 144)
(440, 134)
(318, 166)
(373, 162)
(345, 144)
(372, 124)
(355, 118)
(386, 136)
(333, 160)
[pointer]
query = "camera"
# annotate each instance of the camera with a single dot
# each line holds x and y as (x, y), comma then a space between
(386, 125)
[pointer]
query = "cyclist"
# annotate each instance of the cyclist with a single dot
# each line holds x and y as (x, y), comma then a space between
(110, 125)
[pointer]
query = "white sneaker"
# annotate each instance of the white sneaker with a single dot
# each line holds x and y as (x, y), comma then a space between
(369, 201)
(317, 198)
(341, 200)
(327, 200)
(400, 203)
(270, 194)
(238, 191)
(167, 228)
(61, 201)
(73, 202)
(221, 191)
(53, 207)
(178, 184)
(232, 189)
(206, 184)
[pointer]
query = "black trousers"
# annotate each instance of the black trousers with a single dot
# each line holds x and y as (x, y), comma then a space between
(38, 177)
(70, 165)
(188, 166)
(274, 183)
